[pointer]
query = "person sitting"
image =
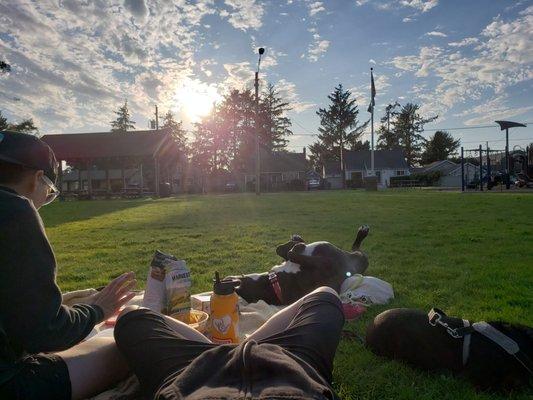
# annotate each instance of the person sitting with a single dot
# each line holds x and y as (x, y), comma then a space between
(288, 357)
(40, 357)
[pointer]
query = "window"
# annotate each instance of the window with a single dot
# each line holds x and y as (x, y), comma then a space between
(400, 172)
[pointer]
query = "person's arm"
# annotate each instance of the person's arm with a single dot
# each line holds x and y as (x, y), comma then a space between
(30, 300)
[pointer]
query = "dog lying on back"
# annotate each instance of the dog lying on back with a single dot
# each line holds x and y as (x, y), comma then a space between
(306, 267)
(407, 335)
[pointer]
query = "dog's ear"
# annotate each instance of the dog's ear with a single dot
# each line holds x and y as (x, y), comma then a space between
(283, 249)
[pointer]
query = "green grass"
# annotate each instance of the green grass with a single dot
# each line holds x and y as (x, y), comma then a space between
(469, 254)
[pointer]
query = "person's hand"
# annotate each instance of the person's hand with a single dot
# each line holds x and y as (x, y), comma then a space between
(115, 294)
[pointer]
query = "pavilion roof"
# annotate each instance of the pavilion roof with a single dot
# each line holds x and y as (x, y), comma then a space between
(108, 144)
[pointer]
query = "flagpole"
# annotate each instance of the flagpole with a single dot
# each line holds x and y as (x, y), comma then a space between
(372, 132)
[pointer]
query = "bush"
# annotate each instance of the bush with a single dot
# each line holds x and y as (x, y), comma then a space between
(424, 179)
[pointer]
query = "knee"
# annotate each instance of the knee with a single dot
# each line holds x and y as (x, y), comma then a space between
(325, 289)
(127, 310)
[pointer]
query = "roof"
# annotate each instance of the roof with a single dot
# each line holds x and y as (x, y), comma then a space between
(360, 160)
(444, 166)
(97, 174)
(107, 144)
(281, 161)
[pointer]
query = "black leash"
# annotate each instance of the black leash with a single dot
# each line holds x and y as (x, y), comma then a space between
(438, 317)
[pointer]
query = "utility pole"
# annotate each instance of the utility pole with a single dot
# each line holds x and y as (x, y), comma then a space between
(261, 51)
(156, 118)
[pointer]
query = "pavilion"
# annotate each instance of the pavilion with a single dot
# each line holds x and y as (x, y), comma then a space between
(153, 155)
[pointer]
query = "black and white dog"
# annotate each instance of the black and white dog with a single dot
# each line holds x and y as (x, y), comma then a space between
(493, 355)
(306, 267)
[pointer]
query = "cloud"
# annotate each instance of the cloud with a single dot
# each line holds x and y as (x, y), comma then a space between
(502, 58)
(407, 19)
(317, 48)
(315, 8)
(420, 5)
(436, 33)
(75, 62)
(137, 8)
(372, 61)
(464, 42)
(288, 92)
(239, 75)
(491, 110)
(244, 14)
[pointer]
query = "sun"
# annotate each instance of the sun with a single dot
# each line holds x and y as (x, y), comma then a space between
(195, 99)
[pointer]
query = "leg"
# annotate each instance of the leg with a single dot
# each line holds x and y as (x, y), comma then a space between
(183, 330)
(94, 366)
(157, 347)
(281, 320)
(310, 329)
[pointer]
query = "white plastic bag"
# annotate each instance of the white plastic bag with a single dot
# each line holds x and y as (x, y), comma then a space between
(366, 290)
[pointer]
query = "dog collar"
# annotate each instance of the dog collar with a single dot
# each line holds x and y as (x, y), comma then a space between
(274, 282)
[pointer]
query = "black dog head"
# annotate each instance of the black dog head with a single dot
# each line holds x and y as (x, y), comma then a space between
(325, 263)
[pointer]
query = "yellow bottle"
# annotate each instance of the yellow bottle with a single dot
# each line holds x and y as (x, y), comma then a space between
(224, 311)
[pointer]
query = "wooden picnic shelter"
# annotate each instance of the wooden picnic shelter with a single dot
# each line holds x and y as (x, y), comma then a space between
(154, 155)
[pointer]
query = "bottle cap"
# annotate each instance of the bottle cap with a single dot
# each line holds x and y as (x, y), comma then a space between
(224, 287)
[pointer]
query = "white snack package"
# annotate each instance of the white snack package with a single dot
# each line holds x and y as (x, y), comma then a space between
(177, 287)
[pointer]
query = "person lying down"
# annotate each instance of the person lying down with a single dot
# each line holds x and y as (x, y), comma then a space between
(289, 356)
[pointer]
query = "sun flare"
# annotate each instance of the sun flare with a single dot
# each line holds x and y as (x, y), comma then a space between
(195, 99)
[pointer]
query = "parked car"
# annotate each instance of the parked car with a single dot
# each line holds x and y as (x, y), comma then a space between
(231, 187)
(314, 184)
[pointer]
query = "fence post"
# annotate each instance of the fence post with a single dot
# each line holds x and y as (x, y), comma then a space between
(462, 170)
(489, 172)
(480, 168)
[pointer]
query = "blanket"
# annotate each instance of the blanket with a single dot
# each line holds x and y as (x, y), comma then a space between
(252, 316)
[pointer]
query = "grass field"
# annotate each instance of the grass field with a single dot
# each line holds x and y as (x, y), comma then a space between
(469, 254)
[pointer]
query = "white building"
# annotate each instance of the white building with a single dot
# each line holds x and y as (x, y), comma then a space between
(387, 163)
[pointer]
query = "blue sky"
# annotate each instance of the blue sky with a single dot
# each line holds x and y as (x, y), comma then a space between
(74, 62)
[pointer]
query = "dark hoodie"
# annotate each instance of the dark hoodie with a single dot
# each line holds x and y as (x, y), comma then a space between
(32, 318)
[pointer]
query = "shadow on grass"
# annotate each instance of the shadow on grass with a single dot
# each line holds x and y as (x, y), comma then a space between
(62, 212)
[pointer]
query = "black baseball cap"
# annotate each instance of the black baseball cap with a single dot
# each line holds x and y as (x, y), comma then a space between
(28, 151)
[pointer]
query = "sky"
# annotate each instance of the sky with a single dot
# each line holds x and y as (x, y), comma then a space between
(75, 62)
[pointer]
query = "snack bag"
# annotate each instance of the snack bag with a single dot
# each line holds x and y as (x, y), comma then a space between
(154, 295)
(177, 287)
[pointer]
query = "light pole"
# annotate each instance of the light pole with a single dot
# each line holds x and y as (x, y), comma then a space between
(506, 125)
(261, 51)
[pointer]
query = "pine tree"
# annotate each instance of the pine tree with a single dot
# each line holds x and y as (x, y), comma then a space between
(123, 123)
(439, 147)
(339, 128)
(273, 119)
(387, 138)
(3, 122)
(408, 124)
(175, 129)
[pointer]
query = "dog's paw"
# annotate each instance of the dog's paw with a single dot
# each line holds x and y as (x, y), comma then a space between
(296, 238)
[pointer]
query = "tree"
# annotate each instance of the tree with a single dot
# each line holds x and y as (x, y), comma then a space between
(273, 119)
(123, 123)
(175, 129)
(387, 138)
(439, 147)
(407, 124)
(25, 126)
(4, 67)
(339, 128)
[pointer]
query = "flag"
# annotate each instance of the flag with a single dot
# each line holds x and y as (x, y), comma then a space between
(372, 92)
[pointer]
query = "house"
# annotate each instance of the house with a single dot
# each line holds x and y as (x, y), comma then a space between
(451, 172)
(453, 177)
(116, 161)
(280, 170)
(387, 163)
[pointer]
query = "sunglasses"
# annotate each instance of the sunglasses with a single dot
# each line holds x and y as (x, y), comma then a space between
(53, 191)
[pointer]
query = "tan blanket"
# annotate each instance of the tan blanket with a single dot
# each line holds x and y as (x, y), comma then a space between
(252, 316)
